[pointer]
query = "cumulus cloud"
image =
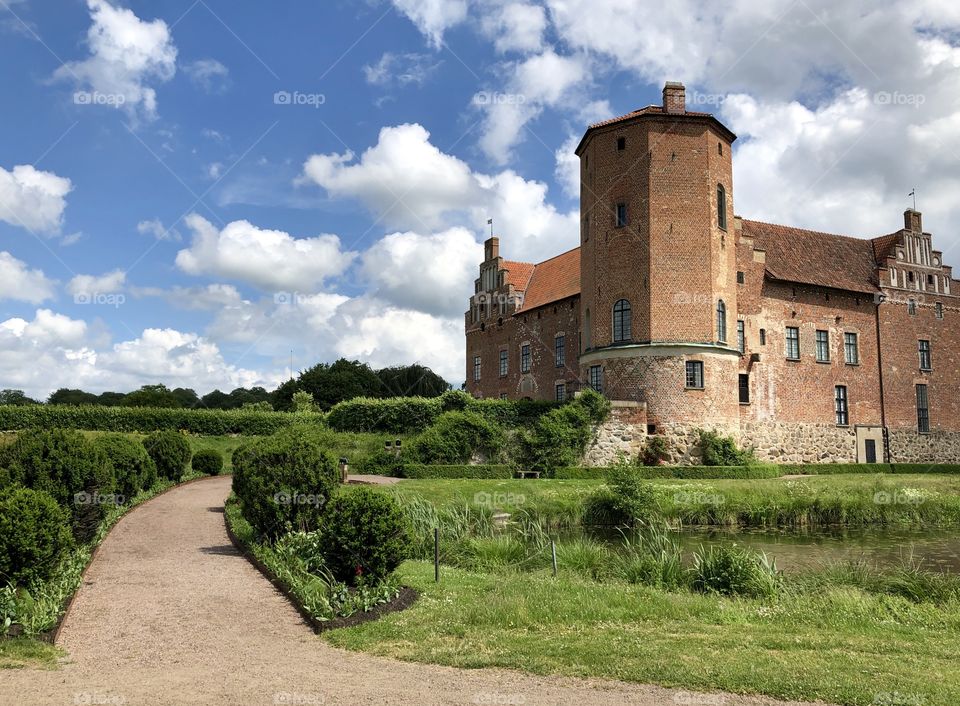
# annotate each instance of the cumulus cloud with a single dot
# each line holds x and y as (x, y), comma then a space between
(20, 283)
(33, 199)
(433, 17)
(208, 74)
(515, 26)
(156, 228)
(127, 55)
(91, 285)
(269, 259)
(567, 169)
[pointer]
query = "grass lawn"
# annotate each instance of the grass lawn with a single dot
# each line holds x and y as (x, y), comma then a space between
(846, 647)
(25, 652)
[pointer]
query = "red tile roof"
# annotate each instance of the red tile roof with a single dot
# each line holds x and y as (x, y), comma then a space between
(648, 110)
(883, 247)
(812, 257)
(518, 274)
(553, 280)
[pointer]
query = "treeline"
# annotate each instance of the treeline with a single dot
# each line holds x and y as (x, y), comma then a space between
(327, 383)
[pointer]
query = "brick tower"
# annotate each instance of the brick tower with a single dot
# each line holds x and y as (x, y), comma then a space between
(658, 262)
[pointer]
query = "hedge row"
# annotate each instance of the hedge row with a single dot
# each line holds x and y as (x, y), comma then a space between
(208, 422)
(692, 472)
(415, 414)
(487, 472)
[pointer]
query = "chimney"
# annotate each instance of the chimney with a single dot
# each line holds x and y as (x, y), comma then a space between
(913, 221)
(674, 97)
(491, 249)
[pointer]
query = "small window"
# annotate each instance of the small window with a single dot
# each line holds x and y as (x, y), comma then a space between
(793, 343)
(621, 215)
(596, 378)
(622, 321)
(560, 351)
(823, 346)
(923, 410)
(926, 360)
(503, 395)
(851, 349)
(741, 337)
(476, 368)
(721, 321)
(740, 278)
(721, 207)
(910, 277)
(720, 148)
(504, 363)
(840, 399)
(930, 280)
(621, 144)
(694, 379)
(912, 307)
(763, 337)
(561, 392)
(744, 388)
(938, 308)
(525, 358)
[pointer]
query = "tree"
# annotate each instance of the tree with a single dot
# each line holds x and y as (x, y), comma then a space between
(72, 397)
(152, 396)
(343, 380)
(111, 399)
(411, 381)
(282, 397)
(187, 397)
(215, 400)
(303, 402)
(15, 397)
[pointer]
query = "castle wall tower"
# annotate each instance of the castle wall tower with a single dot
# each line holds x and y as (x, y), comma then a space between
(658, 262)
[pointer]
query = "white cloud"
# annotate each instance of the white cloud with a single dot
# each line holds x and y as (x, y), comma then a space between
(156, 228)
(91, 285)
(269, 259)
(433, 17)
(127, 54)
(516, 26)
(567, 170)
(208, 74)
(33, 199)
(410, 184)
(20, 283)
(401, 70)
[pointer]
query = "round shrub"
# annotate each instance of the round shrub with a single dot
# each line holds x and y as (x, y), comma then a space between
(365, 536)
(34, 535)
(130, 463)
(455, 437)
(170, 452)
(208, 461)
(283, 482)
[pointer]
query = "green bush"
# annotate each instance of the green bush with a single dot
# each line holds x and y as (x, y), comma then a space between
(734, 571)
(366, 536)
(579, 473)
(655, 451)
(945, 468)
(34, 535)
(66, 465)
(170, 452)
(206, 422)
(455, 437)
(379, 463)
(625, 501)
(720, 450)
(480, 471)
(823, 469)
(559, 438)
(132, 467)
(713, 472)
(208, 462)
(283, 482)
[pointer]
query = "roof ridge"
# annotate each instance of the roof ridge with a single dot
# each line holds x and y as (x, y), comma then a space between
(565, 252)
(816, 232)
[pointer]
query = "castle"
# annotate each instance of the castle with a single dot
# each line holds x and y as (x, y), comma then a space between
(808, 347)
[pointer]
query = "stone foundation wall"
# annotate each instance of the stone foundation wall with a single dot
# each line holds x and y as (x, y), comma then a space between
(936, 447)
(683, 441)
(624, 432)
(785, 442)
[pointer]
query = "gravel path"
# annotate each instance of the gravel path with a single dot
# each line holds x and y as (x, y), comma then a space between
(170, 613)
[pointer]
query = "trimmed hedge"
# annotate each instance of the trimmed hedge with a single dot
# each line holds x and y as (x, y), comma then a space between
(455, 438)
(34, 535)
(207, 461)
(133, 469)
(207, 422)
(691, 472)
(171, 453)
(945, 468)
(487, 472)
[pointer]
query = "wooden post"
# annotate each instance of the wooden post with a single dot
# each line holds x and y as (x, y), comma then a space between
(553, 550)
(436, 554)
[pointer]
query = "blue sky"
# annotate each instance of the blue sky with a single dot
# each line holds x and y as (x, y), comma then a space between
(191, 190)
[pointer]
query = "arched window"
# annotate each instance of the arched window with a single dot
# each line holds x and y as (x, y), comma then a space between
(622, 321)
(721, 207)
(721, 321)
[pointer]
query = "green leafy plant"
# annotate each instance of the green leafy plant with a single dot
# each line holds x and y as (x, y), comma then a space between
(626, 499)
(170, 452)
(208, 462)
(720, 450)
(733, 571)
(455, 437)
(34, 535)
(559, 438)
(8, 608)
(365, 536)
(655, 451)
(131, 465)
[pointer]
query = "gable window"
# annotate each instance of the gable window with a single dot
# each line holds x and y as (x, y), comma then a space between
(823, 346)
(741, 337)
(596, 378)
(721, 207)
(504, 364)
(926, 361)
(910, 277)
(621, 215)
(851, 352)
(793, 343)
(930, 280)
(744, 388)
(476, 368)
(912, 307)
(840, 400)
(525, 358)
(622, 321)
(694, 373)
(721, 321)
(560, 350)
(621, 144)
(923, 410)
(763, 337)
(561, 392)
(938, 308)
